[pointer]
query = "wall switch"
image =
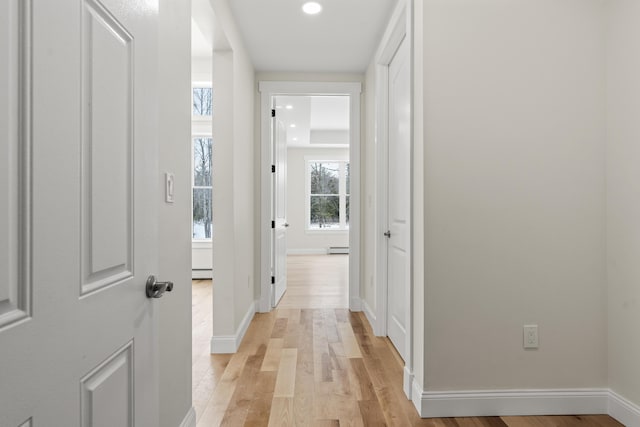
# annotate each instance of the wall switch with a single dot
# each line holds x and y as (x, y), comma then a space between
(169, 186)
(530, 336)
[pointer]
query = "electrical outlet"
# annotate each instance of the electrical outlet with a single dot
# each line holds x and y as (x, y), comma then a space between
(530, 336)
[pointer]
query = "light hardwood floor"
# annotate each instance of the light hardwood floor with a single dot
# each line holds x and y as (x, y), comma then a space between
(315, 367)
(317, 281)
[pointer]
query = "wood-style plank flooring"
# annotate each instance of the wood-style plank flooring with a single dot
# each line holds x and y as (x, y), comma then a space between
(315, 367)
(317, 281)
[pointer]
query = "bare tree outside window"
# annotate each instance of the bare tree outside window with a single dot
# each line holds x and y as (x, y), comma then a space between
(325, 196)
(202, 190)
(202, 101)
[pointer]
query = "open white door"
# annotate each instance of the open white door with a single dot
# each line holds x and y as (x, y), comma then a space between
(279, 257)
(78, 154)
(398, 257)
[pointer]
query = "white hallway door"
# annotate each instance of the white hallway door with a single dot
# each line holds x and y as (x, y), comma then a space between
(78, 153)
(398, 259)
(279, 257)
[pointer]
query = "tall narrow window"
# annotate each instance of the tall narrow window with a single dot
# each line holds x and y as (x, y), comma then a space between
(201, 144)
(202, 101)
(328, 195)
(202, 189)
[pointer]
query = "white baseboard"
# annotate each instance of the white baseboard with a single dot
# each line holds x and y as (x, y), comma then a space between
(487, 403)
(624, 411)
(228, 344)
(201, 274)
(312, 251)
(189, 419)
(371, 317)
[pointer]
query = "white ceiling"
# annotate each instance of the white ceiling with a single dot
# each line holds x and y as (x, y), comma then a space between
(319, 121)
(342, 38)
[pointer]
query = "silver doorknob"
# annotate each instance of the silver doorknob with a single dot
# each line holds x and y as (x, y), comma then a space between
(388, 234)
(156, 289)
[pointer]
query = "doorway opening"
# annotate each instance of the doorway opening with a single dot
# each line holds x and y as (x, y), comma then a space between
(201, 150)
(319, 125)
(315, 195)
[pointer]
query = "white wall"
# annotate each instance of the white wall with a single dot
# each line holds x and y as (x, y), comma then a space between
(175, 219)
(299, 240)
(233, 178)
(201, 69)
(623, 204)
(514, 193)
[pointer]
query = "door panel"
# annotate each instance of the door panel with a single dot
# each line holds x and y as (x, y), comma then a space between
(280, 212)
(399, 194)
(78, 341)
(107, 147)
(15, 290)
(107, 392)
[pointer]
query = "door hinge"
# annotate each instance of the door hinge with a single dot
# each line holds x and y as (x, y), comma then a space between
(273, 224)
(273, 168)
(273, 112)
(273, 280)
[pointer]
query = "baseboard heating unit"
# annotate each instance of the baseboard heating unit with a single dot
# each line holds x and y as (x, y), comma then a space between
(338, 250)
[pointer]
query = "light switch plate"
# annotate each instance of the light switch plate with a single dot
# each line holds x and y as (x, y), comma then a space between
(169, 187)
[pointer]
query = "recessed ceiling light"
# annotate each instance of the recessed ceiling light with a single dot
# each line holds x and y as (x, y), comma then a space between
(311, 8)
(292, 125)
(295, 139)
(289, 107)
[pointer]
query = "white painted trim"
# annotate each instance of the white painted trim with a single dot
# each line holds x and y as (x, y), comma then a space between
(312, 251)
(623, 410)
(416, 396)
(229, 344)
(398, 29)
(407, 382)
(269, 89)
(371, 316)
(202, 274)
(189, 419)
(487, 403)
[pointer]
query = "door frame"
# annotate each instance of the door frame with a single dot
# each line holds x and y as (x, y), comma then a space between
(269, 89)
(399, 29)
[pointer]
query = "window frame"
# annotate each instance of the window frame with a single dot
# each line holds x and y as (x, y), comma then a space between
(201, 127)
(194, 136)
(201, 84)
(342, 196)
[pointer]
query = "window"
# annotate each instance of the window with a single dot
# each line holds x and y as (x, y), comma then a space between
(202, 101)
(328, 195)
(201, 145)
(202, 190)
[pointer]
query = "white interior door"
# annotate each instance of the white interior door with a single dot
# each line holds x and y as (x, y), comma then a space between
(398, 259)
(279, 258)
(78, 157)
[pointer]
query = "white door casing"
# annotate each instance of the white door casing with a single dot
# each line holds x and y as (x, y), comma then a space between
(279, 259)
(399, 186)
(399, 31)
(78, 342)
(268, 90)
